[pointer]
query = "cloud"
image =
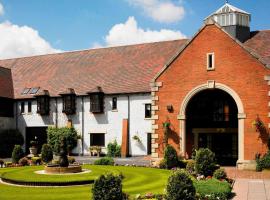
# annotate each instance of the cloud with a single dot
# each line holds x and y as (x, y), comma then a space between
(1, 9)
(129, 33)
(164, 11)
(19, 41)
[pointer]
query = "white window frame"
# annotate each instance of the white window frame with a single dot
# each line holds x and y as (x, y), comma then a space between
(213, 61)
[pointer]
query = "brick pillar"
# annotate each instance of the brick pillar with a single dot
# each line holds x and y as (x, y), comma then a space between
(125, 145)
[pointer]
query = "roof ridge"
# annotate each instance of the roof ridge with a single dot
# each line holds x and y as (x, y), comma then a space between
(82, 50)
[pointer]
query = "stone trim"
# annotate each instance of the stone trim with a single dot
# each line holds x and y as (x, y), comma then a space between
(154, 89)
(241, 115)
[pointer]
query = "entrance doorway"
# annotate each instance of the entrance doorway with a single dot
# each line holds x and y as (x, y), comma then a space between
(36, 133)
(212, 122)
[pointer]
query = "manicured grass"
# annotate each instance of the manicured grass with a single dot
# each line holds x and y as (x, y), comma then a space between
(137, 180)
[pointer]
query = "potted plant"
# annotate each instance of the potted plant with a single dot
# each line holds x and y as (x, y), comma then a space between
(33, 147)
(137, 138)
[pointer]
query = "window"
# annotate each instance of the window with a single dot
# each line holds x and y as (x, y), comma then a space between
(210, 61)
(26, 90)
(96, 102)
(43, 105)
(29, 106)
(148, 111)
(69, 104)
(22, 107)
(34, 90)
(97, 139)
(114, 103)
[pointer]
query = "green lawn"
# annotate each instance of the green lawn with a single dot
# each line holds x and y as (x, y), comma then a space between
(136, 180)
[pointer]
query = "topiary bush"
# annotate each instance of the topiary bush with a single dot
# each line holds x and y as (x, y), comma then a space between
(220, 174)
(54, 136)
(205, 162)
(180, 186)
(104, 161)
(24, 161)
(17, 153)
(190, 167)
(9, 138)
(108, 187)
(170, 157)
(264, 162)
(114, 150)
(46, 153)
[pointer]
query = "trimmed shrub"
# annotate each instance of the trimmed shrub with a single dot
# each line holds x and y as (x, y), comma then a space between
(114, 150)
(55, 136)
(170, 157)
(104, 161)
(24, 161)
(46, 153)
(264, 162)
(205, 162)
(17, 153)
(9, 138)
(162, 164)
(180, 186)
(1, 163)
(190, 167)
(108, 187)
(220, 174)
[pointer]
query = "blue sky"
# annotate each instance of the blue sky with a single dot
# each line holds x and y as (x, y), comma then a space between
(66, 25)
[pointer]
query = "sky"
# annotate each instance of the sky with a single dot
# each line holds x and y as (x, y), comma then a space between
(34, 27)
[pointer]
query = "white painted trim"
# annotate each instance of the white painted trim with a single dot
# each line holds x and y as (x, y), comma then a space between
(241, 115)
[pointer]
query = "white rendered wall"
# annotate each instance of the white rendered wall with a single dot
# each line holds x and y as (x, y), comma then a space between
(109, 122)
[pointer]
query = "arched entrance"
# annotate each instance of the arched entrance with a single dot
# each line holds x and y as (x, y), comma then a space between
(209, 114)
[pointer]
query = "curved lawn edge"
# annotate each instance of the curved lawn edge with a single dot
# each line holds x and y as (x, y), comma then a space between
(49, 184)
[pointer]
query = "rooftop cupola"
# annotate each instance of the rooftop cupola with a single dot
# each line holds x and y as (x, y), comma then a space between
(234, 20)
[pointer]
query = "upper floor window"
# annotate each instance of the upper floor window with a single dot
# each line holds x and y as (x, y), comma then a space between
(43, 105)
(148, 111)
(96, 102)
(114, 103)
(69, 104)
(22, 107)
(210, 61)
(29, 106)
(69, 101)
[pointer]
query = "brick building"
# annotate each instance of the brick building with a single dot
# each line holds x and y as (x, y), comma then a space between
(212, 90)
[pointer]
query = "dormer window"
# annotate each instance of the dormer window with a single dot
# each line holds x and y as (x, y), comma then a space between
(43, 103)
(96, 101)
(210, 61)
(69, 102)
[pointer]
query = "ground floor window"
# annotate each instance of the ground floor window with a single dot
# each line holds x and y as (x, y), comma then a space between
(97, 139)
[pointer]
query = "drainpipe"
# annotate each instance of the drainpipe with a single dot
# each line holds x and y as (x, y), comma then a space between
(128, 126)
(56, 112)
(82, 126)
(16, 115)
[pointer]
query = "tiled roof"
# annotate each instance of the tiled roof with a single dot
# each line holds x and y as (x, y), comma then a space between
(124, 69)
(260, 44)
(6, 86)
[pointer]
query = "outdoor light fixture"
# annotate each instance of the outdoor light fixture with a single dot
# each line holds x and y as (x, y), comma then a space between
(170, 108)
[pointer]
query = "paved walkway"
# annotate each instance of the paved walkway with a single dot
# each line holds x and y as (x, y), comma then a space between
(250, 185)
(251, 189)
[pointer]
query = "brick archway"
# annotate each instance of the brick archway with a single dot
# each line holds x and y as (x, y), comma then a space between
(241, 114)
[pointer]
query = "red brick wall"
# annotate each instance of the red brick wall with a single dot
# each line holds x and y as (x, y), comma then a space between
(234, 67)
